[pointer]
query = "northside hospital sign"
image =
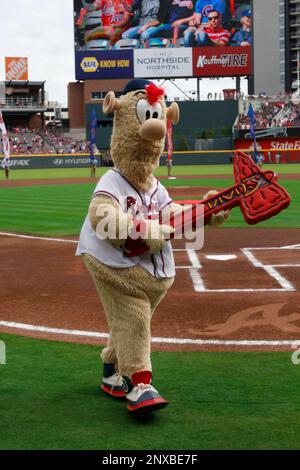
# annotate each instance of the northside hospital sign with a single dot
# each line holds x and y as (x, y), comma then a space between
(165, 62)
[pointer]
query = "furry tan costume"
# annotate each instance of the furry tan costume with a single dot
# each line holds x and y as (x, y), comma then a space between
(131, 289)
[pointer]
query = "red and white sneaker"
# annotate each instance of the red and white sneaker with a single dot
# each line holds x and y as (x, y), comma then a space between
(115, 384)
(144, 397)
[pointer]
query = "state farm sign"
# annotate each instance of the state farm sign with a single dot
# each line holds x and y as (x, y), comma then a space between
(269, 144)
(222, 61)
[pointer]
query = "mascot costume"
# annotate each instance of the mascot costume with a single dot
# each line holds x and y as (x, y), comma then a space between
(128, 199)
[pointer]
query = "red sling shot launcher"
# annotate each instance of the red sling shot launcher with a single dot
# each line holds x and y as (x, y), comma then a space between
(257, 192)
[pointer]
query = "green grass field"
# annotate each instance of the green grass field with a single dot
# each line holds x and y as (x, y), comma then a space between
(200, 170)
(49, 395)
(49, 399)
(53, 210)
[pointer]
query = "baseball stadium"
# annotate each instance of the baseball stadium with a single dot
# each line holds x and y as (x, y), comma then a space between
(225, 343)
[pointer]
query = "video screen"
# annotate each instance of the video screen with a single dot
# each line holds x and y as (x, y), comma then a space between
(136, 28)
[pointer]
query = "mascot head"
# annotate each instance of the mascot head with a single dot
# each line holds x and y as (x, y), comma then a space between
(138, 137)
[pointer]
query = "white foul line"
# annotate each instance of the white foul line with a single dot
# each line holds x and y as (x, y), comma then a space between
(197, 280)
(199, 342)
(194, 271)
(38, 238)
(282, 281)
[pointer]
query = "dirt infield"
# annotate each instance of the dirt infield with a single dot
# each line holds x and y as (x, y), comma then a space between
(243, 286)
(45, 285)
(39, 182)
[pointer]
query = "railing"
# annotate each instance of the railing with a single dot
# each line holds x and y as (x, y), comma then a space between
(23, 102)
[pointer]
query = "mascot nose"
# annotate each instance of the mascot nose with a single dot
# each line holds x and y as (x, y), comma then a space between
(153, 129)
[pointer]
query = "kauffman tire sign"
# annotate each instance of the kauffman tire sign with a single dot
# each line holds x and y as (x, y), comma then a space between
(156, 63)
(222, 61)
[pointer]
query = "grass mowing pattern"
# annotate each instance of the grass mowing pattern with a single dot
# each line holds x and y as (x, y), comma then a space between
(49, 399)
(45, 210)
(177, 170)
(59, 210)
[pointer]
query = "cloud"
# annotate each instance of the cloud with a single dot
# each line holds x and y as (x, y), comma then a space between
(41, 30)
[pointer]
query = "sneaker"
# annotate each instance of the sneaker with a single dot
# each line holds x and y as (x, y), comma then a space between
(115, 384)
(144, 397)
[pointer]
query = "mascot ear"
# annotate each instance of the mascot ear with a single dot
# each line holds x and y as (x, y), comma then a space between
(173, 113)
(110, 103)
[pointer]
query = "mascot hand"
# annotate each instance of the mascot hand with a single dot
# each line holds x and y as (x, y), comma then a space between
(156, 235)
(220, 217)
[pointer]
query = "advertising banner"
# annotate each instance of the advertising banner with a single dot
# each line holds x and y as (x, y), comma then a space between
(270, 144)
(222, 62)
(219, 32)
(104, 65)
(16, 68)
(24, 162)
(158, 63)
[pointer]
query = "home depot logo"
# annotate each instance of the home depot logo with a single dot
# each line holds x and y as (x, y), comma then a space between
(16, 68)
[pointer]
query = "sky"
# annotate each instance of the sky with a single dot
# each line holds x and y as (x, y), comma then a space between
(42, 30)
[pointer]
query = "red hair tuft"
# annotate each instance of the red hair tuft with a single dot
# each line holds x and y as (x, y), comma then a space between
(154, 93)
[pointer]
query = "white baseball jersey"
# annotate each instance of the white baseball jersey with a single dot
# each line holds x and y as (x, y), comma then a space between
(142, 205)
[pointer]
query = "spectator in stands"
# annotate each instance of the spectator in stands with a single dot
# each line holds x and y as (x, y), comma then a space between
(204, 7)
(243, 37)
(37, 141)
(212, 35)
(118, 22)
(148, 17)
(174, 16)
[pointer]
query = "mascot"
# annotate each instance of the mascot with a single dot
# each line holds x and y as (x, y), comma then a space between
(127, 200)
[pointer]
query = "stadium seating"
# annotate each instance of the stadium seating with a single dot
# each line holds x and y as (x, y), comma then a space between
(158, 42)
(127, 44)
(36, 141)
(271, 113)
(97, 44)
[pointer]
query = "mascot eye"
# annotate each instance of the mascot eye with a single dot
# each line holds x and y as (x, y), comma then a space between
(156, 111)
(145, 111)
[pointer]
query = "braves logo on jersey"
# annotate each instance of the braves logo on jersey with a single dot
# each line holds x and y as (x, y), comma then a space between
(150, 211)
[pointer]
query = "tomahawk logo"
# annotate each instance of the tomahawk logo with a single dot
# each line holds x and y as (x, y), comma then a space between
(2, 353)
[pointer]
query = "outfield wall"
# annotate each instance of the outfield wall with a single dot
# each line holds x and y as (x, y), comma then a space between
(219, 157)
(23, 162)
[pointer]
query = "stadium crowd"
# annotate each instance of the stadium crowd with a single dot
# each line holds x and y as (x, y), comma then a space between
(37, 141)
(271, 113)
(108, 23)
